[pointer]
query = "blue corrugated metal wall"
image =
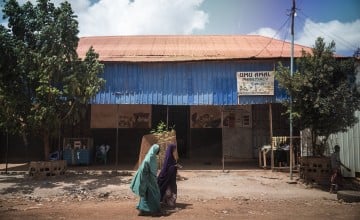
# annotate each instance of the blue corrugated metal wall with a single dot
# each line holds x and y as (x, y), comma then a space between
(180, 83)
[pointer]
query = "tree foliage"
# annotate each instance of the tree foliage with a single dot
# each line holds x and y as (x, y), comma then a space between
(43, 83)
(323, 91)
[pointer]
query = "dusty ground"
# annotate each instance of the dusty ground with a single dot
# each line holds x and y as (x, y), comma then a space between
(240, 193)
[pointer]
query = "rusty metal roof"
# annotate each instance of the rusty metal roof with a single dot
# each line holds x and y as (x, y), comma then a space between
(156, 48)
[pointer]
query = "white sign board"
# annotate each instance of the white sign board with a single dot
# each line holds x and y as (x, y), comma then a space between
(255, 83)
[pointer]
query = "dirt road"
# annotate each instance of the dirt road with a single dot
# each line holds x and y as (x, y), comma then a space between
(202, 194)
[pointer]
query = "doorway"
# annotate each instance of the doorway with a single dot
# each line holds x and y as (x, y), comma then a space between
(178, 118)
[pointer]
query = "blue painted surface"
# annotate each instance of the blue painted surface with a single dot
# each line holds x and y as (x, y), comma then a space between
(181, 83)
(76, 157)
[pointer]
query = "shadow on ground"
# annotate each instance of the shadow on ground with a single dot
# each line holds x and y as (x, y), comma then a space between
(71, 182)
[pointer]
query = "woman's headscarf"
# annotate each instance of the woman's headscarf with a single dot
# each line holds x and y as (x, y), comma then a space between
(147, 168)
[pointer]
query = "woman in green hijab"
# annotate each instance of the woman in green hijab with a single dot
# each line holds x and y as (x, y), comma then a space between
(144, 183)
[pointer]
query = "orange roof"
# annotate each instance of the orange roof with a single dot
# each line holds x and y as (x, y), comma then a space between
(153, 48)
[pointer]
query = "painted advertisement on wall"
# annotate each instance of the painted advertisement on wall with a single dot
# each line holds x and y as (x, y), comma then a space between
(238, 116)
(217, 117)
(205, 117)
(120, 116)
(255, 83)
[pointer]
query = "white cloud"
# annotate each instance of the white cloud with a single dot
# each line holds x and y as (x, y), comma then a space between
(137, 17)
(345, 35)
(124, 17)
(266, 32)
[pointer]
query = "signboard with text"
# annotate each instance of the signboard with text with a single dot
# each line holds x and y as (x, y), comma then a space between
(255, 83)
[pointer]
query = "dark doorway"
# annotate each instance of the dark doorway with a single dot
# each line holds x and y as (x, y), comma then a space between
(177, 117)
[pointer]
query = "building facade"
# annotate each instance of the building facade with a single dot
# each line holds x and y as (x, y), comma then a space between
(215, 91)
(218, 92)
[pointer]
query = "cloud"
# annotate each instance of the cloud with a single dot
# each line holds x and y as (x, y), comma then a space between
(124, 17)
(345, 35)
(137, 17)
(266, 32)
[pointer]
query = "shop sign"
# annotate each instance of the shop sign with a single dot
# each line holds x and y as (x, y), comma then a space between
(255, 83)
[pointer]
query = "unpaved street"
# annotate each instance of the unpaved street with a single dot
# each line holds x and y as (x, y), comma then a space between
(203, 194)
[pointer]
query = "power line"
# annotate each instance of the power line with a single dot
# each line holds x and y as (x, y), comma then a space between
(339, 39)
(279, 29)
(333, 35)
(284, 39)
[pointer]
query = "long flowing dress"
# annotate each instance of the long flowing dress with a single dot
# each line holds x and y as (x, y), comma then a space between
(144, 183)
(167, 178)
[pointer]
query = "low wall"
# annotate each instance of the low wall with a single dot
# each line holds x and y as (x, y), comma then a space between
(47, 168)
(315, 169)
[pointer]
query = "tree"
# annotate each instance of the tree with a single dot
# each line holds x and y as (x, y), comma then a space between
(9, 84)
(323, 91)
(43, 81)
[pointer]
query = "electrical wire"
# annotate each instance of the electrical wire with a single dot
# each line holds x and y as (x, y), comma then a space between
(284, 39)
(348, 45)
(279, 29)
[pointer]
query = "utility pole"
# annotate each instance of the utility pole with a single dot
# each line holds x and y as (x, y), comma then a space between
(293, 11)
(117, 136)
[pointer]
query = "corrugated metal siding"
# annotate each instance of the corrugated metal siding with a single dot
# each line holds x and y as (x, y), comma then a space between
(183, 83)
(349, 147)
(169, 48)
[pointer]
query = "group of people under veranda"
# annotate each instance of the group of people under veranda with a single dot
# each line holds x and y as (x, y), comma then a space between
(156, 190)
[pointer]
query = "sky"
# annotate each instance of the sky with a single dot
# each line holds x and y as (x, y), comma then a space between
(337, 20)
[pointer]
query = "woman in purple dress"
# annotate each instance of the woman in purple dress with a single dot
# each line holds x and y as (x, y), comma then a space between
(167, 178)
